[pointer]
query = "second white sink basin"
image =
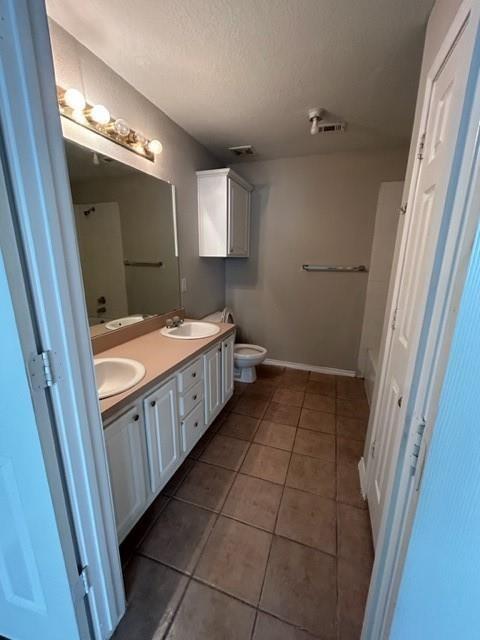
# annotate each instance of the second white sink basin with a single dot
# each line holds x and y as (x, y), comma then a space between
(123, 322)
(191, 330)
(114, 375)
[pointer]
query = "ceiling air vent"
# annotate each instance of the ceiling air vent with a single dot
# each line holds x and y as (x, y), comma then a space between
(243, 150)
(328, 127)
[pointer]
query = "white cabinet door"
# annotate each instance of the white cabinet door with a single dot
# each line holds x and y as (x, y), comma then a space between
(125, 445)
(212, 362)
(227, 368)
(161, 424)
(238, 219)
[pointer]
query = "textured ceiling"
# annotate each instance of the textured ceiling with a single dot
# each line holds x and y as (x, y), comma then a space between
(234, 72)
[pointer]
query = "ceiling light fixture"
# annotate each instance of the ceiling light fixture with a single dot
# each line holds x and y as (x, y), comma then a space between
(315, 116)
(97, 118)
(318, 124)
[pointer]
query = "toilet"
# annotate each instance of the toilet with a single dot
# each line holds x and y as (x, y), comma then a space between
(245, 356)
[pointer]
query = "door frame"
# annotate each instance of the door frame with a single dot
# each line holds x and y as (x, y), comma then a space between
(460, 219)
(35, 157)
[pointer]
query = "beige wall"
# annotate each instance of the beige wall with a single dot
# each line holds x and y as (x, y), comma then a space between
(316, 209)
(77, 67)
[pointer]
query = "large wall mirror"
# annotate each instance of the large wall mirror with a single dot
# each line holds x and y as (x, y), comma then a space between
(126, 229)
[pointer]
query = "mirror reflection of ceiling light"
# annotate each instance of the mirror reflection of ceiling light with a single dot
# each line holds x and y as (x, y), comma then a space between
(97, 118)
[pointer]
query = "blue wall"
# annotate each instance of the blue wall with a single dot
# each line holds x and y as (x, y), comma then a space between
(439, 595)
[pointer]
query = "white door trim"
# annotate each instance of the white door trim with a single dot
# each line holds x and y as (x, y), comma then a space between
(455, 244)
(36, 157)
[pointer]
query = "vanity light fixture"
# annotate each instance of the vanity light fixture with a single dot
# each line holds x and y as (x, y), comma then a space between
(74, 99)
(99, 115)
(72, 105)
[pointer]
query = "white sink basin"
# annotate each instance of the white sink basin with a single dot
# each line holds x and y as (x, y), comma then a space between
(123, 322)
(191, 330)
(114, 375)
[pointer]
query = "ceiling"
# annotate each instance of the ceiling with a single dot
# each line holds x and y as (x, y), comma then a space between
(235, 72)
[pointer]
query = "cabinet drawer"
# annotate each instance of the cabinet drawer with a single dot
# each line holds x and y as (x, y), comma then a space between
(192, 427)
(190, 398)
(190, 376)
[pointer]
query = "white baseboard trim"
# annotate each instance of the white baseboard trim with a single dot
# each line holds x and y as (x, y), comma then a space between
(362, 472)
(311, 367)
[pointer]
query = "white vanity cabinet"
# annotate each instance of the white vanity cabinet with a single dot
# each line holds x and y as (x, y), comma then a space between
(148, 442)
(227, 368)
(161, 427)
(125, 445)
(223, 214)
(212, 362)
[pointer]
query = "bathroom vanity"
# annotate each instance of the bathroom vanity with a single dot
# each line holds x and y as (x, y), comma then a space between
(151, 428)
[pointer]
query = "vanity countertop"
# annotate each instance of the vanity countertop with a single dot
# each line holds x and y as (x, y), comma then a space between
(160, 356)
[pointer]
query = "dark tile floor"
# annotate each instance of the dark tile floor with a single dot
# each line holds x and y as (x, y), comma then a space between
(262, 533)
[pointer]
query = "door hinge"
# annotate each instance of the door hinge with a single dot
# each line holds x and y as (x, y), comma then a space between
(403, 209)
(41, 369)
(421, 146)
(372, 449)
(394, 319)
(82, 585)
(417, 442)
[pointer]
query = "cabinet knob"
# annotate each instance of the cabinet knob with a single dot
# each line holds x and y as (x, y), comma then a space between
(195, 397)
(136, 417)
(194, 374)
(219, 349)
(196, 424)
(153, 403)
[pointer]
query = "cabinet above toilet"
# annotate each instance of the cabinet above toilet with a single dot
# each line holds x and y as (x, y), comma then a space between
(223, 214)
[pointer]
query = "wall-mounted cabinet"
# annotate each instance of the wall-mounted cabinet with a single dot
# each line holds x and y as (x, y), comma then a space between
(223, 214)
(148, 442)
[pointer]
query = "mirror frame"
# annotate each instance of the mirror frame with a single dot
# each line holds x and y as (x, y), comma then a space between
(88, 139)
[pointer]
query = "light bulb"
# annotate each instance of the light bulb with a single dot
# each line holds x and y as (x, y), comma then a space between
(121, 128)
(155, 146)
(140, 139)
(314, 127)
(74, 99)
(100, 114)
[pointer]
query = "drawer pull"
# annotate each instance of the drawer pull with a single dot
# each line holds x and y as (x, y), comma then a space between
(195, 397)
(153, 403)
(196, 424)
(136, 417)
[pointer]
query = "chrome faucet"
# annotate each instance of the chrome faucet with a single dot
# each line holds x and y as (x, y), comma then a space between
(176, 321)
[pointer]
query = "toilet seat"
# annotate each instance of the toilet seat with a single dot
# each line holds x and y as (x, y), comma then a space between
(249, 351)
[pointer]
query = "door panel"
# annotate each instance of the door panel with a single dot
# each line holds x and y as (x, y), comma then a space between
(124, 440)
(35, 595)
(227, 368)
(426, 212)
(213, 382)
(161, 423)
(238, 219)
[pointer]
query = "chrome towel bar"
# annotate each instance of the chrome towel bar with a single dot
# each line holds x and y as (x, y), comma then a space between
(322, 267)
(133, 263)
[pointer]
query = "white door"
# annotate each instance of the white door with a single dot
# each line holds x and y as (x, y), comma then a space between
(35, 592)
(125, 445)
(238, 219)
(213, 382)
(100, 246)
(227, 368)
(161, 424)
(426, 211)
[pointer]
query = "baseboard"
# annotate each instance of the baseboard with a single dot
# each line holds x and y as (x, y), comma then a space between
(311, 367)
(362, 472)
